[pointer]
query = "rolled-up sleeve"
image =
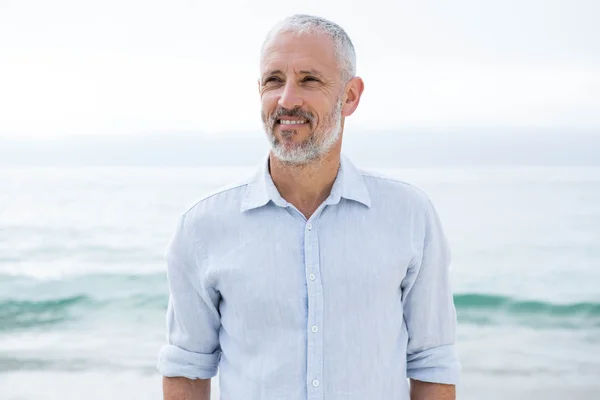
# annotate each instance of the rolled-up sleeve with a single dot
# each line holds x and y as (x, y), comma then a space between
(193, 320)
(429, 311)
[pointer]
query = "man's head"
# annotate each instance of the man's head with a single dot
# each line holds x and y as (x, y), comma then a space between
(307, 86)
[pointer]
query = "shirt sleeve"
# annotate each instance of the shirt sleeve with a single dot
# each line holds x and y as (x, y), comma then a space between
(429, 311)
(192, 318)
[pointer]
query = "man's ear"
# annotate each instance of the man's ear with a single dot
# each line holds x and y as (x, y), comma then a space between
(354, 90)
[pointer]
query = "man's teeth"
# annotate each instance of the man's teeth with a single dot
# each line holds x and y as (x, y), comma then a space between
(292, 122)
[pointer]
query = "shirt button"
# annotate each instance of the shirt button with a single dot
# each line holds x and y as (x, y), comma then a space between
(315, 383)
(309, 226)
(314, 328)
(312, 277)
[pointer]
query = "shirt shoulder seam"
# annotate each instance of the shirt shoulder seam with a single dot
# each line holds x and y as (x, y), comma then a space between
(216, 193)
(367, 174)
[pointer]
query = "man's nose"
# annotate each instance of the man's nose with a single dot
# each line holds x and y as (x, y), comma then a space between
(290, 97)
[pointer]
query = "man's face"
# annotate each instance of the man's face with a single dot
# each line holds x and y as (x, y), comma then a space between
(302, 96)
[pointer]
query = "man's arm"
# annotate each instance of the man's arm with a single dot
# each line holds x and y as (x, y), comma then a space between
(186, 389)
(431, 391)
(191, 356)
(429, 312)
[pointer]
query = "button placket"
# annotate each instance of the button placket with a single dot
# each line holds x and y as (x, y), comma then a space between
(315, 311)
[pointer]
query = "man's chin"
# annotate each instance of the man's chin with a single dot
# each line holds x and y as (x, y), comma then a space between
(297, 158)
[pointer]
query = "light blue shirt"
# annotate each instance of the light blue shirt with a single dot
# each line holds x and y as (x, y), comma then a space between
(343, 306)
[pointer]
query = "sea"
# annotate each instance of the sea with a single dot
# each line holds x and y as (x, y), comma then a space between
(83, 289)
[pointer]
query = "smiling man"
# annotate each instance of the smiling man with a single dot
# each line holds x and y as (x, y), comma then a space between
(313, 279)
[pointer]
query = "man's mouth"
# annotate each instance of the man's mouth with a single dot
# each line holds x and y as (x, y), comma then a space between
(292, 121)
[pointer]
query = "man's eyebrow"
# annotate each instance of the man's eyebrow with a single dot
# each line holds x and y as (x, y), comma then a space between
(302, 72)
(273, 72)
(311, 72)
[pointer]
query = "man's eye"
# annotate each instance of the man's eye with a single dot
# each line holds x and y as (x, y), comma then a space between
(272, 79)
(310, 79)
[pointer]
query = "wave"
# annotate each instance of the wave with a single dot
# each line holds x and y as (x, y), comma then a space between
(28, 314)
(487, 309)
(482, 309)
(527, 307)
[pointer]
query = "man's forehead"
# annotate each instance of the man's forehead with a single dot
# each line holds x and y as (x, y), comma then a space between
(308, 52)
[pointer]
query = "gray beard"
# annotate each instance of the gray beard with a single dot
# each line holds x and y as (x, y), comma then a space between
(315, 146)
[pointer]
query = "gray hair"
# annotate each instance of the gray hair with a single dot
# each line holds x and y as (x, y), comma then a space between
(302, 24)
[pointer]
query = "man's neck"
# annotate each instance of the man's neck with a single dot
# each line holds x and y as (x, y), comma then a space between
(305, 186)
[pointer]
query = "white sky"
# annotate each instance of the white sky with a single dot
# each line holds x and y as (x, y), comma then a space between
(136, 66)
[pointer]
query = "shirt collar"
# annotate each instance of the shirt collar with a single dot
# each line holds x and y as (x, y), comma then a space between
(349, 184)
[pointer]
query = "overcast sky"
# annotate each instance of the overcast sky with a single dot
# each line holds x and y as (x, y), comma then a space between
(136, 66)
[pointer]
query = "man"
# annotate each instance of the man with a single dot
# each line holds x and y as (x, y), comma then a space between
(311, 280)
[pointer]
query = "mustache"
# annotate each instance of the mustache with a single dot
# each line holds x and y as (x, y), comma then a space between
(295, 112)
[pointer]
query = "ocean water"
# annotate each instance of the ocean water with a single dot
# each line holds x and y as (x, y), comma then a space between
(83, 289)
